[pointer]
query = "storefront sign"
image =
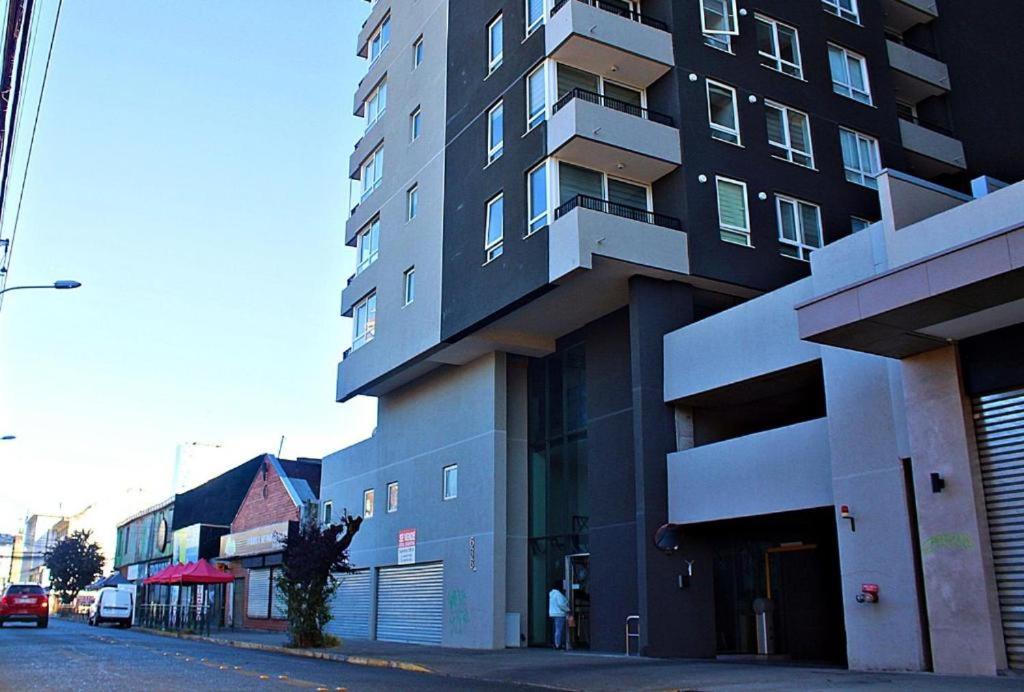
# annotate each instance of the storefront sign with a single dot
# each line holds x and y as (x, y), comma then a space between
(407, 546)
(186, 544)
(265, 539)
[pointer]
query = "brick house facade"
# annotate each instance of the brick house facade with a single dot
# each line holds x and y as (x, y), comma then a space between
(273, 505)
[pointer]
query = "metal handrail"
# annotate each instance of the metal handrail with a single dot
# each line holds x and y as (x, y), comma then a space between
(614, 104)
(633, 635)
(614, 208)
(628, 14)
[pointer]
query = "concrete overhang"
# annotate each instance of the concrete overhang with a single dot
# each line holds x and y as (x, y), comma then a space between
(900, 15)
(916, 76)
(969, 289)
(602, 42)
(617, 143)
(931, 152)
(576, 238)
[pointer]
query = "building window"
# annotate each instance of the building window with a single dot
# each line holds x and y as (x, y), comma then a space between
(495, 132)
(849, 74)
(380, 39)
(847, 9)
(375, 105)
(494, 238)
(417, 52)
(368, 503)
(789, 134)
(364, 322)
(495, 44)
(733, 216)
(372, 172)
(715, 13)
(534, 15)
(536, 98)
(537, 199)
(412, 202)
(858, 224)
(799, 227)
(415, 124)
(328, 513)
(860, 158)
(719, 17)
(392, 497)
(779, 47)
(367, 244)
(451, 482)
(409, 286)
(722, 113)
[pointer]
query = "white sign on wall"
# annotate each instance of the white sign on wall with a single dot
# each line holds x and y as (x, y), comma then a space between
(407, 546)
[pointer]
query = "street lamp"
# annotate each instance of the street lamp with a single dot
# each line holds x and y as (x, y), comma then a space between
(61, 285)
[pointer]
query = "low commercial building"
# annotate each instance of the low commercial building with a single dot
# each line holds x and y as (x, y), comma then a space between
(144, 542)
(848, 472)
(279, 494)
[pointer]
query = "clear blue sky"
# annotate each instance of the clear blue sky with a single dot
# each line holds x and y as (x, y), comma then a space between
(190, 171)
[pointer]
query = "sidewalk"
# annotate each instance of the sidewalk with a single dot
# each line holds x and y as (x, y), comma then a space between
(585, 671)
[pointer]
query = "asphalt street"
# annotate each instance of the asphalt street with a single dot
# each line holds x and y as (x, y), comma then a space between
(70, 656)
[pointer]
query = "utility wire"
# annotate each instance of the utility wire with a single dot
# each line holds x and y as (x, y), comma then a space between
(31, 143)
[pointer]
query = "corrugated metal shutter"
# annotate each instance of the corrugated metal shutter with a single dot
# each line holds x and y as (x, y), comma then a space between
(259, 593)
(410, 603)
(280, 603)
(350, 609)
(999, 428)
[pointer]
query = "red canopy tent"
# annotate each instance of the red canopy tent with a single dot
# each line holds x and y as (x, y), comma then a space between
(203, 572)
(165, 575)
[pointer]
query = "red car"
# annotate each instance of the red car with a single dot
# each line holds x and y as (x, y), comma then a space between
(25, 603)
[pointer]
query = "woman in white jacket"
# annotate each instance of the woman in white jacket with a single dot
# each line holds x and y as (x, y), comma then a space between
(558, 609)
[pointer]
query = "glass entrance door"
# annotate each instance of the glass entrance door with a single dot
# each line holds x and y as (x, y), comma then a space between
(577, 580)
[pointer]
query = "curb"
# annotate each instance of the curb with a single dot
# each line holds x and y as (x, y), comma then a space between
(302, 653)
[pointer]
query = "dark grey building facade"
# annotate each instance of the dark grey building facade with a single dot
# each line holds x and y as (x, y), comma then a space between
(547, 189)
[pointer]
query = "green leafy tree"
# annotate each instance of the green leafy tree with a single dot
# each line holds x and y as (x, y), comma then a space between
(313, 556)
(74, 563)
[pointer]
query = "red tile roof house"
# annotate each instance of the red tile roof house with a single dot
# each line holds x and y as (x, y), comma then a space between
(273, 506)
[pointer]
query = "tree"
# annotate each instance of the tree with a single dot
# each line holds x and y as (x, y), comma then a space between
(74, 563)
(313, 555)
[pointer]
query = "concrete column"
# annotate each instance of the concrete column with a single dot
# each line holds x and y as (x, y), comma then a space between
(517, 508)
(867, 476)
(673, 621)
(963, 606)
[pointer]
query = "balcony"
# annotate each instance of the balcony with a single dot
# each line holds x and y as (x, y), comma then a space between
(585, 227)
(618, 44)
(778, 470)
(931, 150)
(916, 75)
(615, 137)
(900, 15)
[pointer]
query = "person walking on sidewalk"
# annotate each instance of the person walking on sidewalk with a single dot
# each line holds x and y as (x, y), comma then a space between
(558, 609)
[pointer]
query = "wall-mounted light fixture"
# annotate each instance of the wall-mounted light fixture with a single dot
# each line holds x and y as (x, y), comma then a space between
(938, 483)
(844, 513)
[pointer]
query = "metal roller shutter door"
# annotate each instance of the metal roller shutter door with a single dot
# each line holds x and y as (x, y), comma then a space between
(410, 603)
(350, 609)
(999, 429)
(258, 603)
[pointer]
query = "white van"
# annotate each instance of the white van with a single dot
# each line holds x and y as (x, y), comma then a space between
(112, 605)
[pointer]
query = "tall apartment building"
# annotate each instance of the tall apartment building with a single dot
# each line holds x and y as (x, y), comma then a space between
(546, 189)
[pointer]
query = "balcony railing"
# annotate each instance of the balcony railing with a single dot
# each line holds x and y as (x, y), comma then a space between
(617, 9)
(615, 209)
(614, 104)
(927, 124)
